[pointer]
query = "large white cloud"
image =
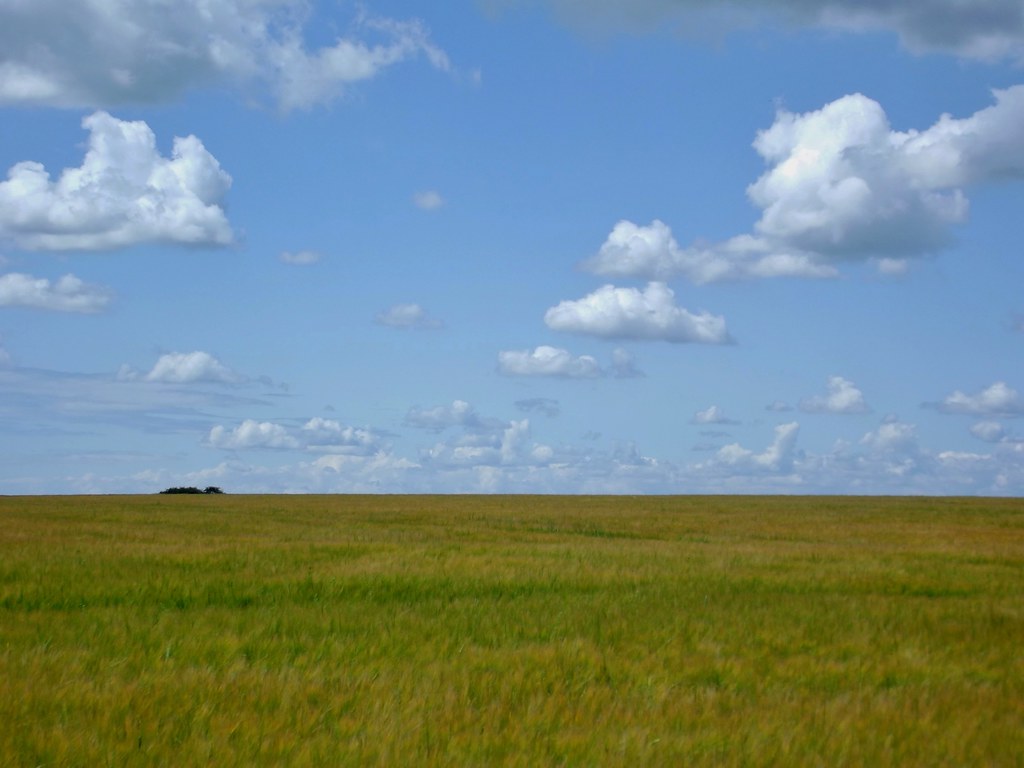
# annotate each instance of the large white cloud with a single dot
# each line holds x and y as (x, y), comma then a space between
(628, 313)
(67, 294)
(102, 53)
(999, 399)
(124, 193)
(841, 185)
(548, 361)
(982, 29)
(843, 396)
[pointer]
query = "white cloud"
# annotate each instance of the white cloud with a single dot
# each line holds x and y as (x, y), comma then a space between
(712, 415)
(548, 361)
(251, 434)
(458, 414)
(185, 368)
(777, 457)
(317, 434)
(892, 437)
(997, 400)
(429, 200)
(407, 316)
(989, 431)
(300, 258)
(842, 397)
(627, 313)
(652, 252)
(329, 435)
(505, 444)
(987, 30)
(106, 53)
(842, 185)
(67, 294)
(123, 194)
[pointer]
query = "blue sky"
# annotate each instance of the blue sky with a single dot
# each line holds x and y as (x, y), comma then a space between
(656, 246)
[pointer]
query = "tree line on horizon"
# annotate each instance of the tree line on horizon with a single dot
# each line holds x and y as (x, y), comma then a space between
(192, 489)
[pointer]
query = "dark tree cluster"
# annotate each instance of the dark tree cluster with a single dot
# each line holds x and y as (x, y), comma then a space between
(193, 489)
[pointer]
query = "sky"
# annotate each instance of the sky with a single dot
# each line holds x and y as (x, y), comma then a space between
(512, 246)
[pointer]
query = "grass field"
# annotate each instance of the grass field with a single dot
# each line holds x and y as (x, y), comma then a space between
(391, 630)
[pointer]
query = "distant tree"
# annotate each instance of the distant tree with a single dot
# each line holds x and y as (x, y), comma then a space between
(193, 489)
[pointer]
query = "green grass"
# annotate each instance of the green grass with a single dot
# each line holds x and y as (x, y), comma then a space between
(338, 630)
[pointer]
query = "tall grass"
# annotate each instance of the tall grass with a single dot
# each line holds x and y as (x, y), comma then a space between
(247, 630)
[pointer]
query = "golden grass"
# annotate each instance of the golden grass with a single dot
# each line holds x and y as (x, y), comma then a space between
(391, 630)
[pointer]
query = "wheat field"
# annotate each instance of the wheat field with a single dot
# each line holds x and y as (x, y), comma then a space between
(511, 630)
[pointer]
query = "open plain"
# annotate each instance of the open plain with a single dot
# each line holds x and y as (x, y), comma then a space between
(511, 630)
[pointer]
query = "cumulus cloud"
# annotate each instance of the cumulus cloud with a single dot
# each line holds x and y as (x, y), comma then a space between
(429, 200)
(333, 437)
(842, 397)
(184, 368)
(124, 193)
(319, 435)
(892, 437)
(300, 258)
(628, 313)
(251, 434)
(841, 185)
(997, 400)
(507, 444)
(407, 316)
(67, 294)
(712, 415)
(777, 457)
(548, 361)
(652, 252)
(980, 30)
(103, 54)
